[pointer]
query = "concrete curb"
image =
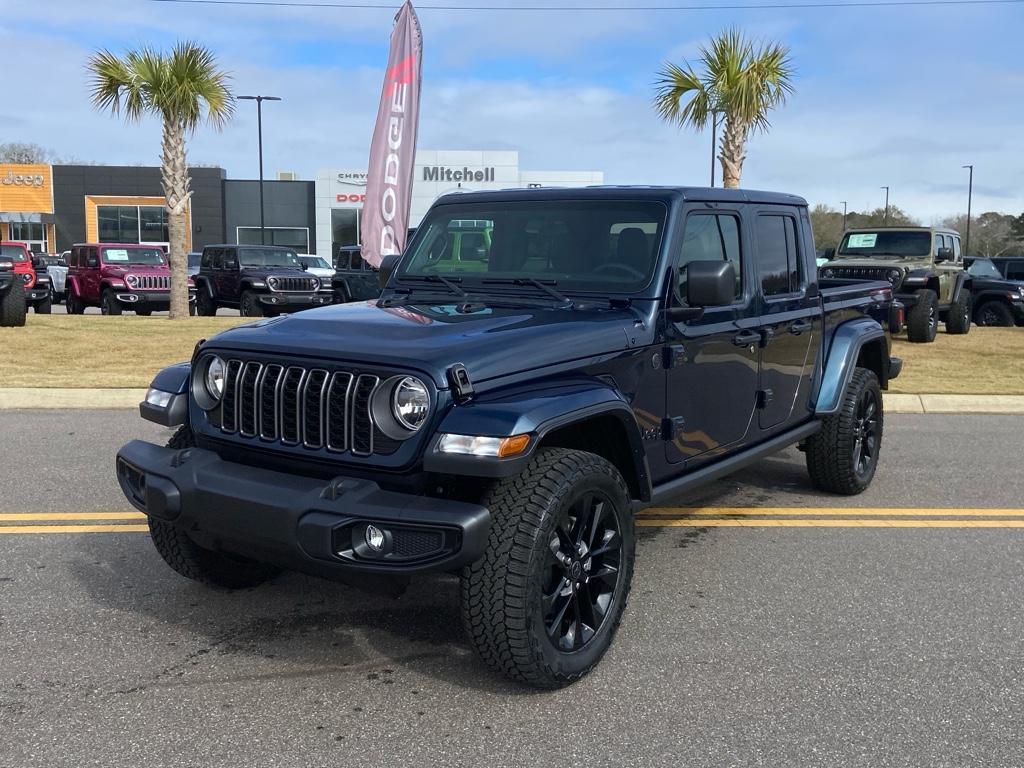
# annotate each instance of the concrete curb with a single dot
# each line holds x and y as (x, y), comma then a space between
(31, 398)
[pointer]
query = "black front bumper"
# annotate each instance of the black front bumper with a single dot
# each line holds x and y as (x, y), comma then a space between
(283, 300)
(297, 522)
(155, 300)
(33, 295)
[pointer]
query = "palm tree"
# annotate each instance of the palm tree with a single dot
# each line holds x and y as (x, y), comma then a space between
(741, 79)
(184, 88)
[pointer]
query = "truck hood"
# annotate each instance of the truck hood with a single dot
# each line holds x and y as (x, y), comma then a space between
(110, 270)
(491, 342)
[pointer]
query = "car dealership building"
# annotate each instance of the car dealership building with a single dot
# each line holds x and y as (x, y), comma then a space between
(51, 207)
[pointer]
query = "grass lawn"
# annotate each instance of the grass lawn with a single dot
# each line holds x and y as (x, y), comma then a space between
(987, 361)
(97, 351)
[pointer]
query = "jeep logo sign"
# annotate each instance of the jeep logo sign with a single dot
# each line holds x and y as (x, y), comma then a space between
(19, 180)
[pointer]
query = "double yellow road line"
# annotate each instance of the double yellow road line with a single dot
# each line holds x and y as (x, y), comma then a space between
(655, 517)
(828, 517)
(82, 522)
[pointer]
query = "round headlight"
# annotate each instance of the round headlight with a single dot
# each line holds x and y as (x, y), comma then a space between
(131, 280)
(213, 377)
(894, 276)
(410, 403)
(828, 272)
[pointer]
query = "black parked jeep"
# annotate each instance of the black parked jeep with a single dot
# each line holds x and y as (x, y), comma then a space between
(997, 301)
(504, 419)
(12, 297)
(354, 279)
(258, 279)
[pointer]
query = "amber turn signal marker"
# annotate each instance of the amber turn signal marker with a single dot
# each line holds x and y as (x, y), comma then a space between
(511, 446)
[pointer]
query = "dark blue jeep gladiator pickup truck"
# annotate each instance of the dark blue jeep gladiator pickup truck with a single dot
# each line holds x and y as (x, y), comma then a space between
(503, 417)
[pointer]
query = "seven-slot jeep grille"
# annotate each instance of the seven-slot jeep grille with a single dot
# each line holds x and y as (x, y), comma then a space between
(295, 405)
(151, 282)
(869, 273)
(300, 284)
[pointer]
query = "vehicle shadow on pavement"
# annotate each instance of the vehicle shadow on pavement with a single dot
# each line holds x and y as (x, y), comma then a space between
(304, 626)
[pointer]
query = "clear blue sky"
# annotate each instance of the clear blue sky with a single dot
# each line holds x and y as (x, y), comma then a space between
(897, 96)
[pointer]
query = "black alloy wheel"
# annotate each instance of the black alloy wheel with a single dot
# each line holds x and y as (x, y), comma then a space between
(585, 555)
(866, 429)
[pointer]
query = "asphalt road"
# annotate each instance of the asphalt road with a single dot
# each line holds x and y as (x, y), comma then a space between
(773, 645)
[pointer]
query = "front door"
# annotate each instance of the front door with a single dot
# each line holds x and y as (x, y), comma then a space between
(712, 362)
(790, 318)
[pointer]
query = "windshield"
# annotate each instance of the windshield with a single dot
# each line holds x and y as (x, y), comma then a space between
(13, 252)
(151, 256)
(983, 268)
(886, 242)
(315, 262)
(268, 257)
(601, 245)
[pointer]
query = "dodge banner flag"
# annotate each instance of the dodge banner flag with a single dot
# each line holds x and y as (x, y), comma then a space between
(385, 219)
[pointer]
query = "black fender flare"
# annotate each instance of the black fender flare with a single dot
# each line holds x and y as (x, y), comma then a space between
(963, 281)
(202, 282)
(538, 412)
(844, 350)
(173, 380)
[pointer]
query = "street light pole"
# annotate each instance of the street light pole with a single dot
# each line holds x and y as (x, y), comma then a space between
(885, 219)
(259, 132)
(844, 214)
(970, 194)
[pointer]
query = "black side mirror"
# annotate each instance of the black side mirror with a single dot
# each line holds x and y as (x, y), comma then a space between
(944, 254)
(387, 266)
(710, 283)
(92, 262)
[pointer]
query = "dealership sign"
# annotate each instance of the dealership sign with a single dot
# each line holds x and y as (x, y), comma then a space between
(27, 180)
(439, 173)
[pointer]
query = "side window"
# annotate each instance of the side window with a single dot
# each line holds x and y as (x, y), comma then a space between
(73, 258)
(206, 262)
(341, 262)
(711, 237)
(778, 258)
(956, 248)
(230, 260)
(92, 257)
(1015, 270)
(937, 244)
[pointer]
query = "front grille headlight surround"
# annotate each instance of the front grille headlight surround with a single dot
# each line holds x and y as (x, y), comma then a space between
(131, 280)
(894, 276)
(208, 382)
(401, 406)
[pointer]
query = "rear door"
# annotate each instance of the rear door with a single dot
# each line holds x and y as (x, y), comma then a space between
(711, 362)
(91, 274)
(790, 316)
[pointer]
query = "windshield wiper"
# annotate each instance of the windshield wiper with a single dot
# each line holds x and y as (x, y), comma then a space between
(450, 283)
(542, 285)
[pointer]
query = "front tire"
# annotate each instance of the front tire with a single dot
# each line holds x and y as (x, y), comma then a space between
(958, 318)
(205, 305)
(12, 308)
(994, 313)
(843, 456)
(923, 318)
(109, 304)
(542, 605)
(192, 561)
(250, 305)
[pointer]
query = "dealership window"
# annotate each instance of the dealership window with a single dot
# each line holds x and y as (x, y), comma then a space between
(296, 238)
(31, 233)
(344, 229)
(133, 224)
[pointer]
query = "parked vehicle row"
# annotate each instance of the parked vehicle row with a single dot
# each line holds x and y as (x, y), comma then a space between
(502, 413)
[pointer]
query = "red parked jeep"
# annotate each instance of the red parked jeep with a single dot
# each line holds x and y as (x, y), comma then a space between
(119, 276)
(37, 287)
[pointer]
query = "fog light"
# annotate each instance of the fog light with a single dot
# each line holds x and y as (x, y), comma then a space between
(374, 538)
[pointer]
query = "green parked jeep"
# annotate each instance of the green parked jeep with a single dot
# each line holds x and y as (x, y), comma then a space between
(925, 267)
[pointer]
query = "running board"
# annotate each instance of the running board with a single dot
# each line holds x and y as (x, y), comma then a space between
(697, 478)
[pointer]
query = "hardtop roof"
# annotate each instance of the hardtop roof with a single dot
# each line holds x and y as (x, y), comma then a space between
(627, 192)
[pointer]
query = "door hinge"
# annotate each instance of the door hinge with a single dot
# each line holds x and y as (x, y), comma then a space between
(764, 396)
(673, 355)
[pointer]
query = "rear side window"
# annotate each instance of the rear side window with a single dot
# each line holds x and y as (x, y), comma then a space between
(778, 259)
(1015, 270)
(711, 237)
(956, 248)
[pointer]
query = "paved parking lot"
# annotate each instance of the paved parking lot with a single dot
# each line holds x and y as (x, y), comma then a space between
(804, 640)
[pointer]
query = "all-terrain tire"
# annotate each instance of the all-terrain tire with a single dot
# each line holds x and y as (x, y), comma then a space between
(923, 318)
(218, 569)
(73, 305)
(250, 305)
(45, 307)
(503, 600)
(958, 317)
(994, 313)
(205, 305)
(109, 304)
(833, 461)
(12, 307)
(144, 312)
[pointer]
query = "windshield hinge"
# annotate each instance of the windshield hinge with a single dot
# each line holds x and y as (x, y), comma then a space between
(462, 387)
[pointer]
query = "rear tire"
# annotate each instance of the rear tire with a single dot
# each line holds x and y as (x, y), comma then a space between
(958, 318)
(73, 305)
(543, 603)
(250, 305)
(45, 307)
(192, 561)
(994, 313)
(923, 318)
(109, 304)
(12, 307)
(843, 456)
